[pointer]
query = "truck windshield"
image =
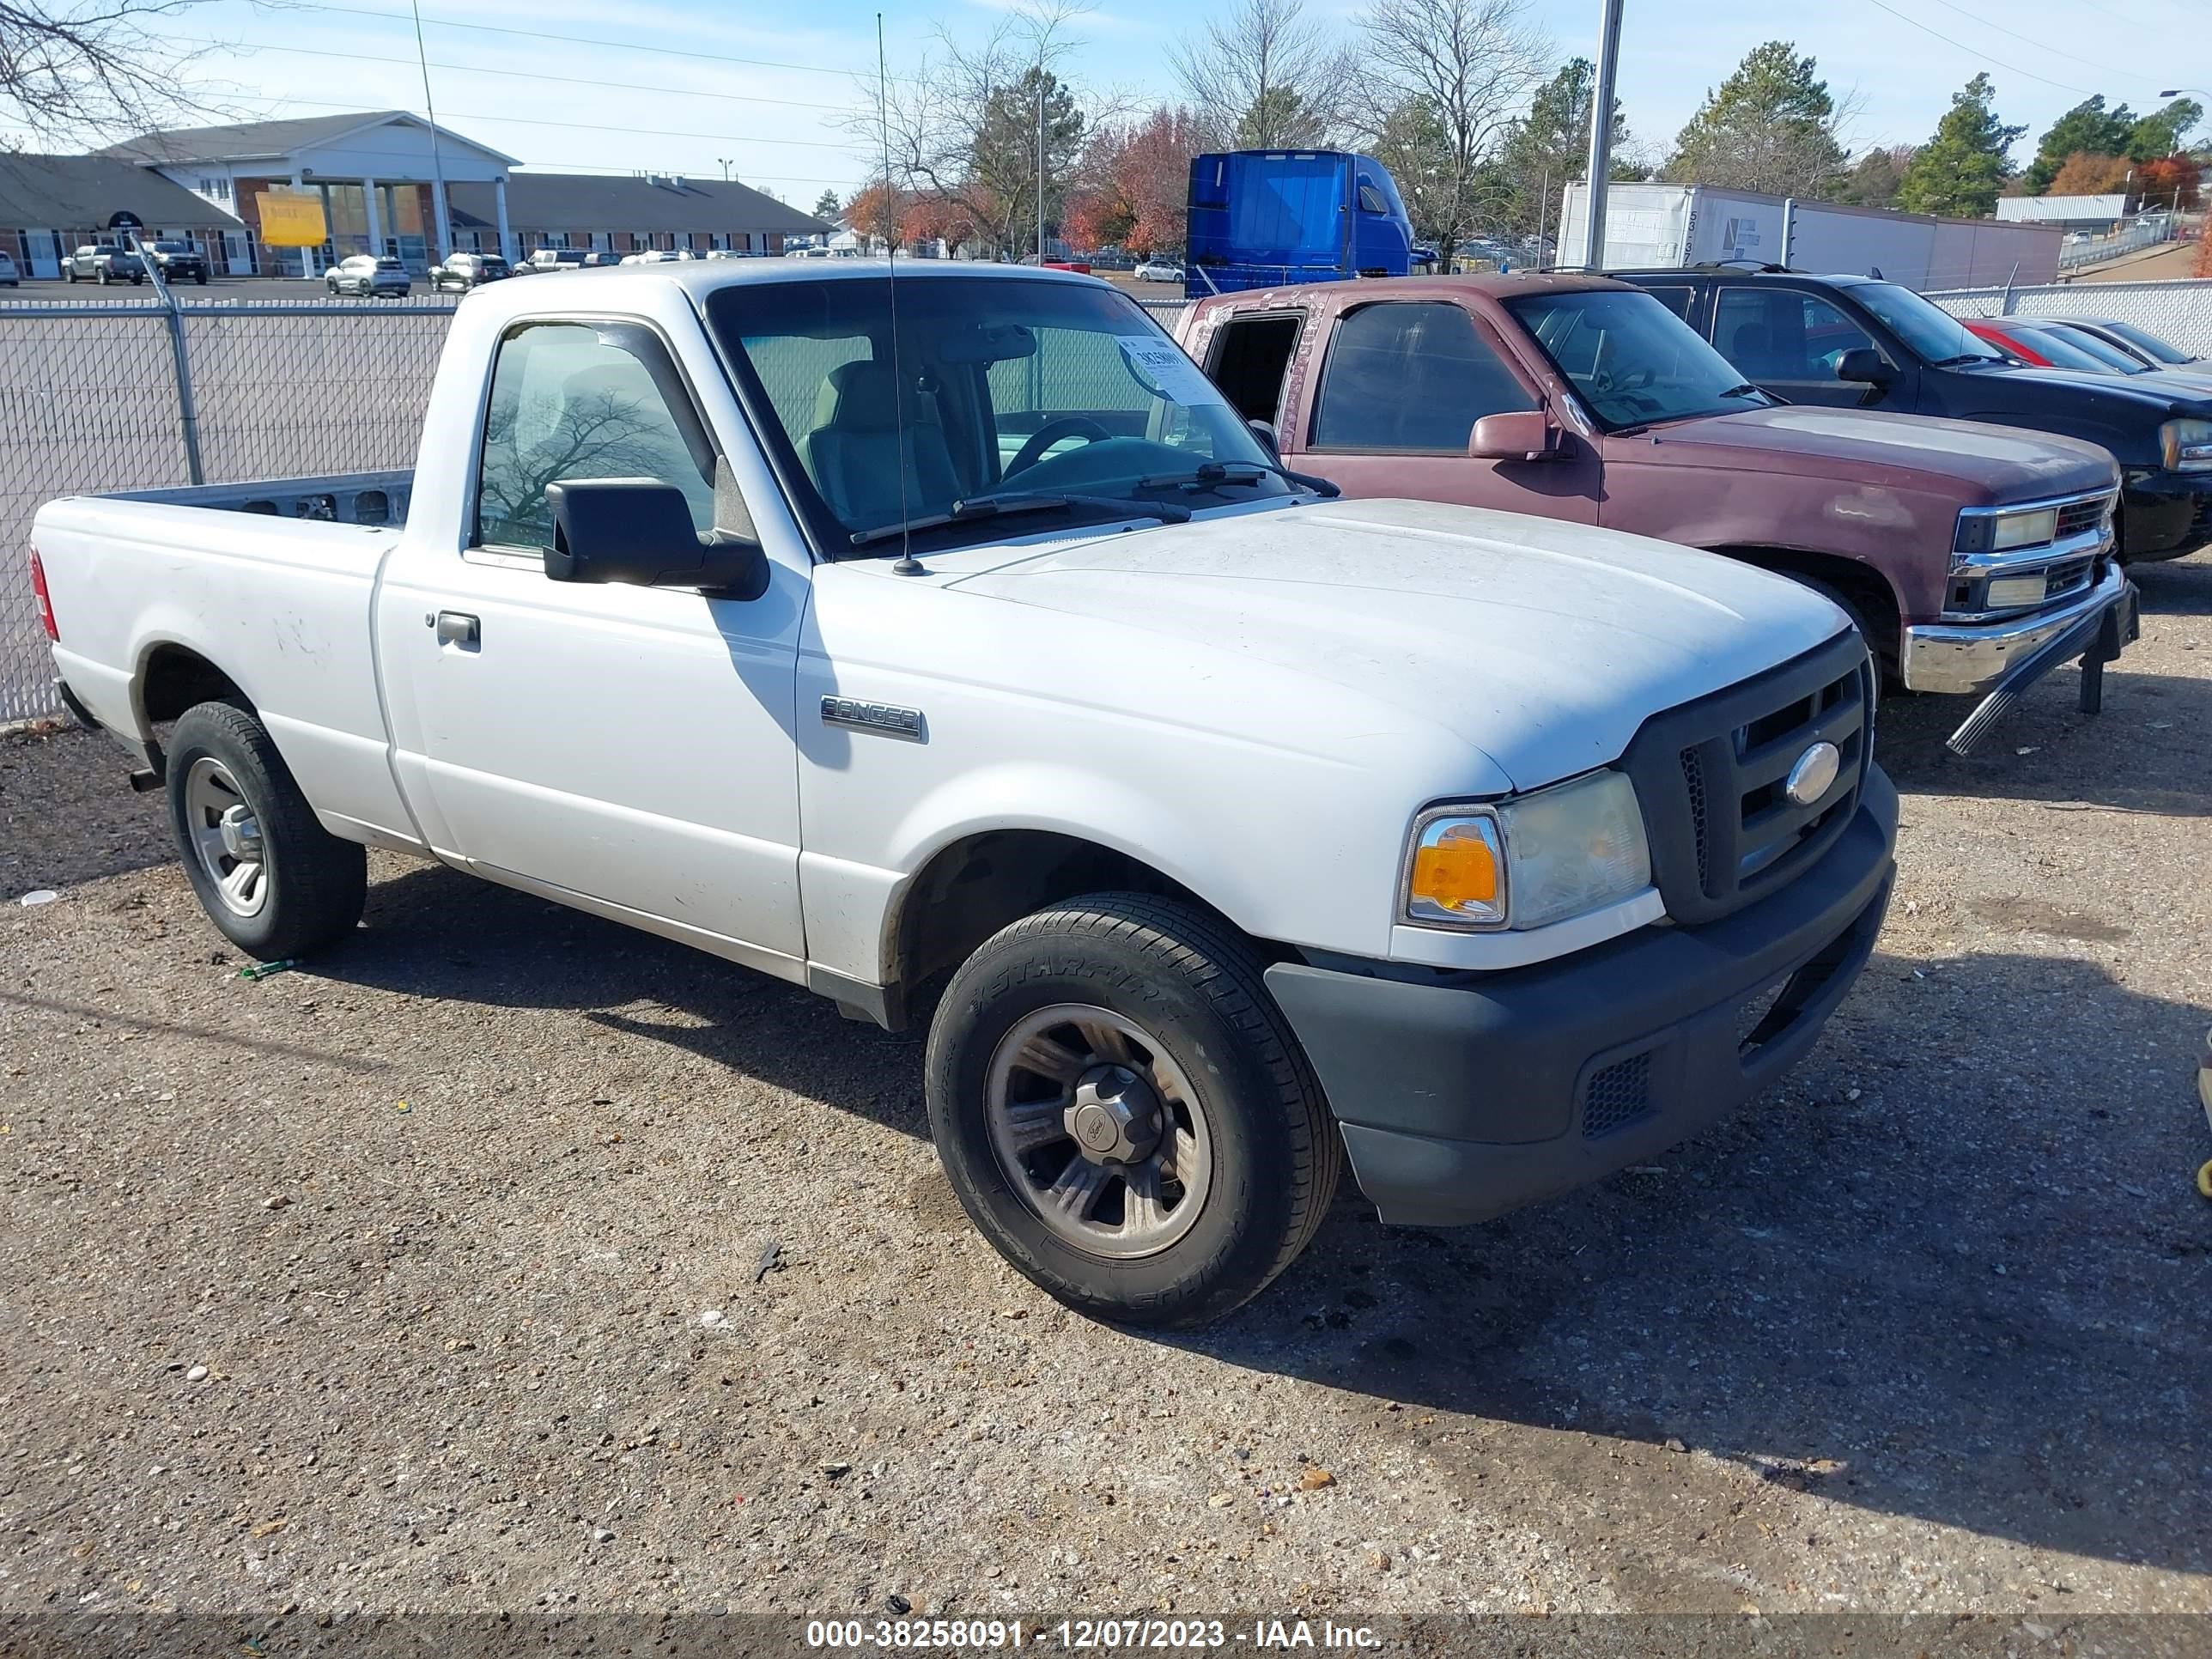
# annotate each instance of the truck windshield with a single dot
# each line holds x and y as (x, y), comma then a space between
(1634, 362)
(1931, 332)
(1005, 387)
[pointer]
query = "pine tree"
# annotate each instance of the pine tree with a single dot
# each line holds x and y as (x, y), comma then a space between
(1771, 127)
(827, 207)
(1963, 168)
(2087, 129)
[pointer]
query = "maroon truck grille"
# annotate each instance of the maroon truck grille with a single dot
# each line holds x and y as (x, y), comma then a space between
(2075, 517)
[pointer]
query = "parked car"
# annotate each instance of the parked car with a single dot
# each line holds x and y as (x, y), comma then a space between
(1381, 803)
(1972, 559)
(1160, 271)
(2055, 342)
(9, 274)
(367, 275)
(105, 262)
(1855, 342)
(179, 262)
(564, 259)
(2141, 342)
(463, 271)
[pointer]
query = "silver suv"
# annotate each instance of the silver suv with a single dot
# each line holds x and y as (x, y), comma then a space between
(367, 275)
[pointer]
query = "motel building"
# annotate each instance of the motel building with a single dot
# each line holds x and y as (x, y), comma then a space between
(389, 183)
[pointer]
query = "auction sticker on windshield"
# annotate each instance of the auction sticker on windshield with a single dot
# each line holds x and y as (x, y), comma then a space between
(1160, 364)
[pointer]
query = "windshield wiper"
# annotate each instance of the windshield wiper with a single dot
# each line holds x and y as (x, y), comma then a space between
(1227, 472)
(1964, 357)
(1747, 389)
(984, 506)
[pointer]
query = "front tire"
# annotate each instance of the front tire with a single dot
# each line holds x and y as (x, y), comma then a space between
(269, 875)
(1123, 1112)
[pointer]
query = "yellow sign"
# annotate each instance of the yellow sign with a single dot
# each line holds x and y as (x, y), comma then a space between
(291, 219)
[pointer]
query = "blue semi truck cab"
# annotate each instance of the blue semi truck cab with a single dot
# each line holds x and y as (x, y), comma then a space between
(1267, 218)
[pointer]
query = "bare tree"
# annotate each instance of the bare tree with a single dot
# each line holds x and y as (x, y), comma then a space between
(1449, 76)
(963, 127)
(89, 66)
(1263, 77)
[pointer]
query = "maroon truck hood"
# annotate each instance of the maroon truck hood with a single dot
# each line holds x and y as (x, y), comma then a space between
(1974, 463)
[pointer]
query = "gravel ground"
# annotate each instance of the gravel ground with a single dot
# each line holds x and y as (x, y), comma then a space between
(386, 1285)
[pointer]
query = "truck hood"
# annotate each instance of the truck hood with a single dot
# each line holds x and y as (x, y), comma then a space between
(1979, 463)
(1541, 644)
(2156, 398)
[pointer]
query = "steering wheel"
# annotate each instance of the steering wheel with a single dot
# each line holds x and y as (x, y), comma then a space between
(1061, 426)
(1632, 380)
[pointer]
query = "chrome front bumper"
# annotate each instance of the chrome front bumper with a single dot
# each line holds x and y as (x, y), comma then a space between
(1972, 657)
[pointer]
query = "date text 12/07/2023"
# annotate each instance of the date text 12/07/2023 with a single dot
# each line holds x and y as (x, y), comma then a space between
(1078, 1635)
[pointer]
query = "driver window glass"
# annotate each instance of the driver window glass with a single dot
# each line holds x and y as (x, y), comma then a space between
(1411, 376)
(567, 402)
(1774, 334)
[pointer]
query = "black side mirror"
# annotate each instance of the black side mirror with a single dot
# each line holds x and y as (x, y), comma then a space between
(639, 531)
(1866, 365)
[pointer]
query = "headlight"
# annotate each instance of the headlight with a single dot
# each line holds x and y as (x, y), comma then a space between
(2188, 446)
(1528, 861)
(1981, 531)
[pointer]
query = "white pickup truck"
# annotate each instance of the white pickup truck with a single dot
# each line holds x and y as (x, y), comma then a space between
(989, 673)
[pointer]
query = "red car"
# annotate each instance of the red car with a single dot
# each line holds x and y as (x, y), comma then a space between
(2041, 347)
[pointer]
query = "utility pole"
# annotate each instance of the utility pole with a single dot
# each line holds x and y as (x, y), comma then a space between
(1600, 144)
(1040, 216)
(441, 228)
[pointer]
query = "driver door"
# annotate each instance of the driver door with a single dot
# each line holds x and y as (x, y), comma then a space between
(1789, 343)
(625, 748)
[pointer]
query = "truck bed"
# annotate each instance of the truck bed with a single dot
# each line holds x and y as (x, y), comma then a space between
(364, 498)
(276, 592)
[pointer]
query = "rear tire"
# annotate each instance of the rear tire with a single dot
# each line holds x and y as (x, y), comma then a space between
(1145, 1001)
(269, 875)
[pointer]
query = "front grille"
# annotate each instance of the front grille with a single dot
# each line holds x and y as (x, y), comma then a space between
(2062, 578)
(1710, 777)
(1617, 1095)
(1693, 777)
(2075, 517)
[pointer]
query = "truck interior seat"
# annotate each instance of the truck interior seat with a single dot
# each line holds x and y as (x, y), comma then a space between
(853, 452)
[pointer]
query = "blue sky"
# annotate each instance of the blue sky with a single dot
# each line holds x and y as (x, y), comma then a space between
(679, 86)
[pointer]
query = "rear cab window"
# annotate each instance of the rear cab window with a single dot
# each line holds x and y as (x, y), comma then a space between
(1249, 358)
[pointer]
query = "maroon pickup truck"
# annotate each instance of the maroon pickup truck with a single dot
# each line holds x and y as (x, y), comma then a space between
(1974, 559)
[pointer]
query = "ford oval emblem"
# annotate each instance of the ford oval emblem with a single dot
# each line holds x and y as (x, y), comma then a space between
(1815, 770)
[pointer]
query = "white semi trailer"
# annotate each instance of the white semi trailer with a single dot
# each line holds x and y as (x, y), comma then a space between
(1648, 225)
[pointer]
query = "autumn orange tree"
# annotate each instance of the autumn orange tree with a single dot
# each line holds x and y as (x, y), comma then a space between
(1135, 180)
(2171, 181)
(2086, 173)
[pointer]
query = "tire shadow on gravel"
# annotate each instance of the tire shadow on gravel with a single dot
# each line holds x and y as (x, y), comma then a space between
(1955, 1269)
(433, 933)
(2176, 587)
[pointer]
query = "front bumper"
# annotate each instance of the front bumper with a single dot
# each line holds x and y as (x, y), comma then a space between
(1974, 657)
(2164, 515)
(1460, 1101)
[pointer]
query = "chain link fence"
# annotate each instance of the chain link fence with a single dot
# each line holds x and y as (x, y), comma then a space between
(116, 394)
(2178, 311)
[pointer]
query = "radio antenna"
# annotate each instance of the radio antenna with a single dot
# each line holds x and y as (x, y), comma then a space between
(905, 564)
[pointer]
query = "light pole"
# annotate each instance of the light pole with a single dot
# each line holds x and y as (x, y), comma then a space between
(1600, 144)
(727, 161)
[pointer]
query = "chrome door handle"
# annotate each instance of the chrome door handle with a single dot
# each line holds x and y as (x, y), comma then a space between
(457, 627)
